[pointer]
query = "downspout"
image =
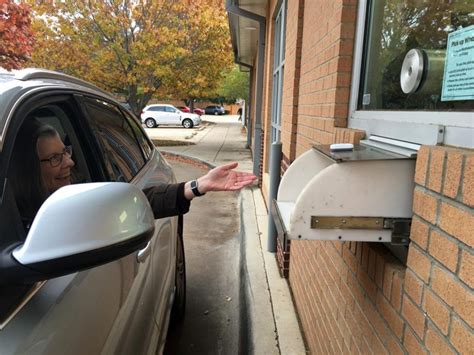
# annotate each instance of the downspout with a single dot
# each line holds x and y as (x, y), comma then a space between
(249, 101)
(233, 9)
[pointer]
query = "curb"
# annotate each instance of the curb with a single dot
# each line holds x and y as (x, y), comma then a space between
(262, 336)
(187, 159)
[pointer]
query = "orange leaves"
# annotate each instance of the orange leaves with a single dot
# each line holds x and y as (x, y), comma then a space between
(137, 48)
(16, 38)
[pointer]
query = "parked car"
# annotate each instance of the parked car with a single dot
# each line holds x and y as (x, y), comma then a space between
(214, 110)
(161, 114)
(95, 273)
(199, 111)
(183, 108)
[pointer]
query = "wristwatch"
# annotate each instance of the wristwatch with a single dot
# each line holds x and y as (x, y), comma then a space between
(194, 188)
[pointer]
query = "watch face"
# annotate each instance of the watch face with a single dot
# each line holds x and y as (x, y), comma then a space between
(194, 188)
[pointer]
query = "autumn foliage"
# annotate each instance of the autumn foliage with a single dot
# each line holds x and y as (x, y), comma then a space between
(138, 49)
(16, 38)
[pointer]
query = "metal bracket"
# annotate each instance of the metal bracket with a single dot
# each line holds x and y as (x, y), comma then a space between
(279, 225)
(400, 227)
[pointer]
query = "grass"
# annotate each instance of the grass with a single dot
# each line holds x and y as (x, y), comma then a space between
(170, 143)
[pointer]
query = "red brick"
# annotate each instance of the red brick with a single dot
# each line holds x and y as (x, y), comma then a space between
(457, 222)
(422, 165)
(397, 285)
(412, 344)
(435, 176)
(379, 269)
(425, 205)
(413, 286)
(394, 347)
(461, 337)
(419, 263)
(436, 343)
(387, 279)
(365, 256)
(371, 265)
(390, 315)
(446, 286)
(468, 183)
(436, 310)
(419, 232)
(350, 259)
(453, 174)
(376, 321)
(367, 284)
(466, 270)
(444, 249)
(356, 290)
(414, 316)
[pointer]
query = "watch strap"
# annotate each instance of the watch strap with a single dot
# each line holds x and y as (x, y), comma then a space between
(194, 188)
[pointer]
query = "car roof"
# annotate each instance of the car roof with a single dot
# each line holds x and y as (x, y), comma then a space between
(18, 85)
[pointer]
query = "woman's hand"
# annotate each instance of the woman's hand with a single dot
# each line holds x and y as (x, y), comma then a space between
(224, 178)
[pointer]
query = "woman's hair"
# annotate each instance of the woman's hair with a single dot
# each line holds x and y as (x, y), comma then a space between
(25, 169)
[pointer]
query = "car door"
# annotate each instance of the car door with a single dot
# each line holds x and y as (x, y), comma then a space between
(174, 115)
(160, 114)
(106, 309)
(155, 171)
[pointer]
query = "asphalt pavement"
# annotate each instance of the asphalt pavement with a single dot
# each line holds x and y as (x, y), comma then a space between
(266, 316)
(214, 321)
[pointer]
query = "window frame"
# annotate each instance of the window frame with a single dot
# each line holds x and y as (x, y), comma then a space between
(278, 70)
(422, 127)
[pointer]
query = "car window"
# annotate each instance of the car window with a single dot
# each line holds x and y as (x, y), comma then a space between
(145, 144)
(156, 108)
(170, 109)
(25, 178)
(116, 140)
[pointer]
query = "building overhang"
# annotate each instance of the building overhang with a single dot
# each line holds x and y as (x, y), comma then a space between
(244, 31)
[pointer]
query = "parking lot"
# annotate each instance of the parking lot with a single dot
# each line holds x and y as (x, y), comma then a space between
(164, 134)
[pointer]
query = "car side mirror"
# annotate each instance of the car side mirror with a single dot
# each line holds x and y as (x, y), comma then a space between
(79, 227)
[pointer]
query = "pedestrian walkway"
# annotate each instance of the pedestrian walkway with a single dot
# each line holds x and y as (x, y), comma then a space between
(271, 315)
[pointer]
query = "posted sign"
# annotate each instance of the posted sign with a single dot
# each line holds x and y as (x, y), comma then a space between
(458, 80)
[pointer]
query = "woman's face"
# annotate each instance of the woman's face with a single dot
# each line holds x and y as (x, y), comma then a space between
(58, 176)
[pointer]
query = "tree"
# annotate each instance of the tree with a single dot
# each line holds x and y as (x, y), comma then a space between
(16, 38)
(235, 85)
(134, 48)
(206, 51)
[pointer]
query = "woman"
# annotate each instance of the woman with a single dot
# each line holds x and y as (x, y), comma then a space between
(37, 175)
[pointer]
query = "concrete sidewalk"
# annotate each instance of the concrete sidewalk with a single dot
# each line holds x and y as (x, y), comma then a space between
(272, 319)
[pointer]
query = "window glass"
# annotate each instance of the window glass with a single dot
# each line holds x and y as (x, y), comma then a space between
(141, 137)
(394, 28)
(116, 139)
(169, 109)
(278, 71)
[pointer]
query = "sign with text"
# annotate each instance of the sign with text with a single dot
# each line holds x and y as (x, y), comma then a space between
(458, 80)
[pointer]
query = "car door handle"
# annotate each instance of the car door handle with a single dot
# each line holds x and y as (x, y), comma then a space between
(143, 253)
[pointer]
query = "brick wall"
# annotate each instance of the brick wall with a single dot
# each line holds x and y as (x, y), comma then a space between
(325, 74)
(356, 297)
(438, 299)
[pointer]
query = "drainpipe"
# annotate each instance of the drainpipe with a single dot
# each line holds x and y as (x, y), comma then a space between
(233, 9)
(249, 101)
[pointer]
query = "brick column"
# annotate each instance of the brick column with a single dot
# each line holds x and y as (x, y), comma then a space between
(438, 300)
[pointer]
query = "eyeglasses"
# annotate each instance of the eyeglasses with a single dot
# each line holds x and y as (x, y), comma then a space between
(57, 159)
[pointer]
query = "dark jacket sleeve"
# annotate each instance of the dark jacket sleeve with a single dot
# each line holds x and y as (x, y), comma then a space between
(167, 200)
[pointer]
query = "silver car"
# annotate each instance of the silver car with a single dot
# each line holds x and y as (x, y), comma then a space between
(163, 114)
(95, 273)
